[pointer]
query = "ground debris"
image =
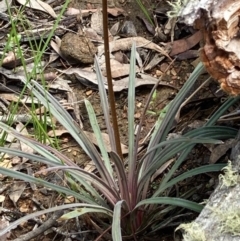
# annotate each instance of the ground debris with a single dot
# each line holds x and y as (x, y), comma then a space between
(220, 54)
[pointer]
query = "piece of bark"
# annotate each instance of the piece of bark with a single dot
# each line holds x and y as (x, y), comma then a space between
(220, 218)
(38, 231)
(219, 24)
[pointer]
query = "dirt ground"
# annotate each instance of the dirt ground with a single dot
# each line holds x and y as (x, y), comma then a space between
(197, 110)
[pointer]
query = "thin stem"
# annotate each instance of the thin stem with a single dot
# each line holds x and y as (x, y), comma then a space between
(109, 79)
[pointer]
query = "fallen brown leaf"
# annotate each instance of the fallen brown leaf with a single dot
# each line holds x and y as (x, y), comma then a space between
(118, 69)
(89, 79)
(126, 44)
(182, 45)
(106, 141)
(39, 5)
(24, 147)
(16, 191)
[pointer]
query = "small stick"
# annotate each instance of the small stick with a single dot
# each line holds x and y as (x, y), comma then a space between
(45, 226)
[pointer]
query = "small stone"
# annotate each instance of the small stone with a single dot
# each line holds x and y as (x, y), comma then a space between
(164, 67)
(139, 104)
(173, 72)
(137, 115)
(69, 199)
(78, 48)
(158, 73)
(89, 92)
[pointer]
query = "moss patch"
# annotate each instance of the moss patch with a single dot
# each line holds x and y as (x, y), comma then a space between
(230, 222)
(176, 7)
(230, 177)
(193, 232)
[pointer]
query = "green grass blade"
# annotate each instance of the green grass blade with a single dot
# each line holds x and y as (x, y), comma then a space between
(13, 225)
(193, 172)
(19, 175)
(131, 137)
(224, 107)
(167, 123)
(63, 117)
(174, 147)
(145, 11)
(98, 135)
(215, 132)
(116, 225)
(40, 149)
(175, 104)
(158, 123)
(66, 120)
(122, 176)
(200, 134)
(169, 151)
(172, 201)
(104, 104)
(56, 158)
(81, 211)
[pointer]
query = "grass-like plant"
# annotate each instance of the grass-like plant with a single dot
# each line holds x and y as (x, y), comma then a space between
(37, 48)
(144, 10)
(121, 189)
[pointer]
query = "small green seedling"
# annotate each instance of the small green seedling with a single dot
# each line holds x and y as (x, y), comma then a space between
(153, 106)
(13, 44)
(153, 103)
